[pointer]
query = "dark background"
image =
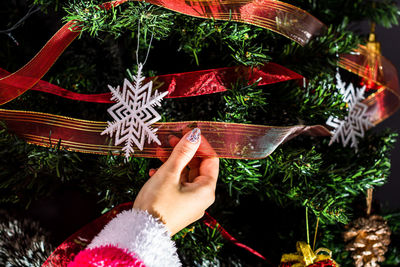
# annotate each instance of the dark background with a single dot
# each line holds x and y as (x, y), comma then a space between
(70, 210)
(389, 194)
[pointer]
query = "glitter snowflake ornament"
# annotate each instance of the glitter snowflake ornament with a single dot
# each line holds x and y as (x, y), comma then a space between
(357, 121)
(134, 113)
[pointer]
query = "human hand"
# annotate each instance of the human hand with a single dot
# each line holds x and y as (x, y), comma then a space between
(183, 187)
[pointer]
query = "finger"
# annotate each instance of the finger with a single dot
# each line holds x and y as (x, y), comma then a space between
(194, 168)
(193, 165)
(183, 151)
(202, 188)
(193, 173)
(206, 161)
(152, 172)
(205, 149)
(209, 167)
(173, 140)
(162, 154)
(185, 176)
(209, 164)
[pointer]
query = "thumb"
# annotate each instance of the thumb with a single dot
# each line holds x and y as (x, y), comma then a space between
(184, 151)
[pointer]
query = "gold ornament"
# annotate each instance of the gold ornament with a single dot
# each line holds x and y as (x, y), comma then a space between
(305, 256)
(368, 240)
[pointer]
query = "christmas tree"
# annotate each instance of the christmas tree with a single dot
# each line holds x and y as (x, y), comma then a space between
(277, 68)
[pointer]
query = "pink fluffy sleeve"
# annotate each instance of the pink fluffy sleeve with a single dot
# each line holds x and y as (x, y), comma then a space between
(106, 256)
(136, 236)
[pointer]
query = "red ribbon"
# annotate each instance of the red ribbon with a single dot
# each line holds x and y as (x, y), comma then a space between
(187, 84)
(78, 241)
(212, 223)
(288, 20)
(25, 78)
(274, 15)
(386, 98)
(224, 140)
(271, 14)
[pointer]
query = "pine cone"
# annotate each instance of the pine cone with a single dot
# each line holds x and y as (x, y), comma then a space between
(368, 239)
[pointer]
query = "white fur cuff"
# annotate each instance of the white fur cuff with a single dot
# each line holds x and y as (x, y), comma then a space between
(141, 234)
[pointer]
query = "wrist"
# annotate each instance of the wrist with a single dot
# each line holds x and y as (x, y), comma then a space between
(151, 211)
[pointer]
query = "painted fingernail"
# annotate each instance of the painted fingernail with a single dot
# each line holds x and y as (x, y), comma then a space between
(194, 136)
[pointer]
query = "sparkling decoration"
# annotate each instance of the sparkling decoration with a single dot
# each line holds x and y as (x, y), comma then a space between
(368, 240)
(134, 114)
(357, 122)
(22, 242)
(306, 257)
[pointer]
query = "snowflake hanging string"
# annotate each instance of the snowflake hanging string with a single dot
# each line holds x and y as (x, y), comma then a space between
(357, 121)
(133, 113)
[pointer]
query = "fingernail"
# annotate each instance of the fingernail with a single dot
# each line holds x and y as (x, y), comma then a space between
(194, 136)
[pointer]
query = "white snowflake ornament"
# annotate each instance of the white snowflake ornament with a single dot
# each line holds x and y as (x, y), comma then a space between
(357, 122)
(133, 113)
